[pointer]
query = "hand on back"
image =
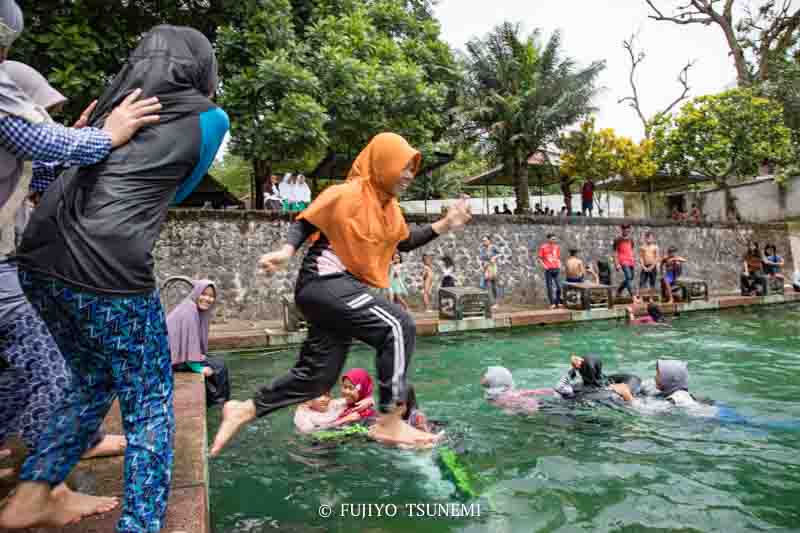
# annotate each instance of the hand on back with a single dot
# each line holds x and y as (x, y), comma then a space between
(130, 116)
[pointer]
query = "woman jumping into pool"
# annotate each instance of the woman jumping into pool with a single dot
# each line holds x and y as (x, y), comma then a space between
(360, 225)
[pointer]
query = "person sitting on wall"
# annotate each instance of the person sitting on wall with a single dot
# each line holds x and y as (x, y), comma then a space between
(187, 327)
(538, 211)
(695, 214)
(507, 210)
(576, 269)
(772, 262)
(753, 274)
(497, 210)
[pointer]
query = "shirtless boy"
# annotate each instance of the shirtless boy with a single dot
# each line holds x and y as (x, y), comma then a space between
(576, 270)
(649, 257)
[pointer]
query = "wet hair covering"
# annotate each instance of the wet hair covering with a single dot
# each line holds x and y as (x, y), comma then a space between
(11, 22)
(96, 226)
(654, 311)
(34, 85)
(591, 372)
(498, 381)
(362, 218)
(187, 326)
(673, 375)
(363, 383)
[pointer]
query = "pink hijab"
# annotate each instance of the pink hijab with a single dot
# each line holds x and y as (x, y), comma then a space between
(363, 382)
(187, 326)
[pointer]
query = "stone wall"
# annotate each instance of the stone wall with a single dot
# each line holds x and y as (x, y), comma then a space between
(225, 246)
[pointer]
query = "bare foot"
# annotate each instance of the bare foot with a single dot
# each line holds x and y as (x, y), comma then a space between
(35, 505)
(391, 429)
(234, 416)
(110, 446)
(7, 473)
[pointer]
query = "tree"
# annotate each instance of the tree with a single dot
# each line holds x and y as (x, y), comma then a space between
(79, 47)
(754, 39)
(353, 70)
(519, 94)
(784, 87)
(637, 57)
(723, 137)
(599, 155)
(233, 172)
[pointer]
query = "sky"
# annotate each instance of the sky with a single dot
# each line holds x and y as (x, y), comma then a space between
(594, 30)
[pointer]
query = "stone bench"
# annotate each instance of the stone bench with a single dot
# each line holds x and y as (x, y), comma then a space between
(692, 289)
(457, 303)
(588, 296)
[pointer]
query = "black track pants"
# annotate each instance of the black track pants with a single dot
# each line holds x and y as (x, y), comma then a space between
(339, 309)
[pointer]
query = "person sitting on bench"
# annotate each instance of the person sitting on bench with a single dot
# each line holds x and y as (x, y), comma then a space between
(753, 274)
(772, 262)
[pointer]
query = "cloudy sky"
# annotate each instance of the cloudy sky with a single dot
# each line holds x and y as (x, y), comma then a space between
(594, 30)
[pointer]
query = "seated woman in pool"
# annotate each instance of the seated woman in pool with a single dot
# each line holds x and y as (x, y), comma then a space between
(319, 413)
(356, 386)
(499, 390)
(187, 327)
(654, 315)
(590, 371)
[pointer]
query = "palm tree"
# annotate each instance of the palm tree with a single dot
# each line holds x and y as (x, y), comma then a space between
(520, 94)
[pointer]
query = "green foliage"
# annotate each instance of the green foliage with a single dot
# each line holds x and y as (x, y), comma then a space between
(784, 87)
(723, 136)
(233, 172)
(80, 45)
(519, 94)
(356, 430)
(589, 153)
(455, 471)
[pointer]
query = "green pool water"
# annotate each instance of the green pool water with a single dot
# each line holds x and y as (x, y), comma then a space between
(585, 469)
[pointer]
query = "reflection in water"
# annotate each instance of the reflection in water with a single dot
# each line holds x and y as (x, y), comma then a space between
(570, 466)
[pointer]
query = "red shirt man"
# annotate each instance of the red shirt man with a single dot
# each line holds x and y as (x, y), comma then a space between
(623, 246)
(550, 255)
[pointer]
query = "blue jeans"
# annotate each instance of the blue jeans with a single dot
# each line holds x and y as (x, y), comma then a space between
(551, 279)
(627, 282)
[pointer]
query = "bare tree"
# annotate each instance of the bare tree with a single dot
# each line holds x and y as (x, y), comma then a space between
(769, 31)
(637, 57)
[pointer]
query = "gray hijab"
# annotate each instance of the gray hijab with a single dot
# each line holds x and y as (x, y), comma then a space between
(11, 22)
(16, 102)
(498, 381)
(673, 375)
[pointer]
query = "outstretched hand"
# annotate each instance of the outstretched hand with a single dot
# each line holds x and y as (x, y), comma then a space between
(275, 261)
(457, 216)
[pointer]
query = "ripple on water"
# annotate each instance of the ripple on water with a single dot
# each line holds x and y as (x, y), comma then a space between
(565, 469)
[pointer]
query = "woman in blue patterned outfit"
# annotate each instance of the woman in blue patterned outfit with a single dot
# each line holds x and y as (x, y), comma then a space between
(86, 265)
(33, 375)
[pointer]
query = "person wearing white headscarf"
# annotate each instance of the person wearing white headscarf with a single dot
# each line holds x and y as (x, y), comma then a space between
(287, 187)
(304, 191)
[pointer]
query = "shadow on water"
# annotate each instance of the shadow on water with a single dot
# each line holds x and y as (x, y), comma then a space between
(566, 468)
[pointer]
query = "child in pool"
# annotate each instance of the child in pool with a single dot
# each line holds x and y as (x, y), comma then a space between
(319, 413)
(590, 370)
(499, 390)
(356, 386)
(654, 315)
(413, 416)
(671, 387)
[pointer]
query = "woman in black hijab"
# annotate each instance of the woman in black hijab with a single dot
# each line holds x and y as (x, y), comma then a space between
(86, 265)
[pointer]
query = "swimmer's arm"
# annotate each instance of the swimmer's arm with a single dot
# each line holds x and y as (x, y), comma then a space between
(623, 390)
(366, 403)
(422, 422)
(564, 386)
(302, 421)
(299, 232)
(349, 419)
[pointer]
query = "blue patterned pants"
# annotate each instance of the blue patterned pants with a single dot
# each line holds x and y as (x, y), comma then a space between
(117, 347)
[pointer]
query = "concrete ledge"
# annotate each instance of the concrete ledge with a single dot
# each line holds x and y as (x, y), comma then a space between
(468, 324)
(532, 318)
(738, 301)
(235, 341)
(711, 305)
(598, 314)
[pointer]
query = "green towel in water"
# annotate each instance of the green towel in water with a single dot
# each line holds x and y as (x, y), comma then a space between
(457, 472)
(336, 434)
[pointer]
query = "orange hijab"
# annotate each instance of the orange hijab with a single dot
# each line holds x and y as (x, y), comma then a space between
(362, 218)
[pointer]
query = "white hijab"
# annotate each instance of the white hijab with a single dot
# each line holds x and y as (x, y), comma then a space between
(304, 191)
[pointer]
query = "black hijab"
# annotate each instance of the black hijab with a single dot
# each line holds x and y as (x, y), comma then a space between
(591, 372)
(175, 63)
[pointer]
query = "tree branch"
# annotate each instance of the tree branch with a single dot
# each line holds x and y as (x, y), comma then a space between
(683, 78)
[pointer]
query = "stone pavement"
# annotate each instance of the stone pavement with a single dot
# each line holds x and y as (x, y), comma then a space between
(188, 504)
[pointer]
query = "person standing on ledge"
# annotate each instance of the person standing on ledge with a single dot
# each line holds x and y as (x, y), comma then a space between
(359, 226)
